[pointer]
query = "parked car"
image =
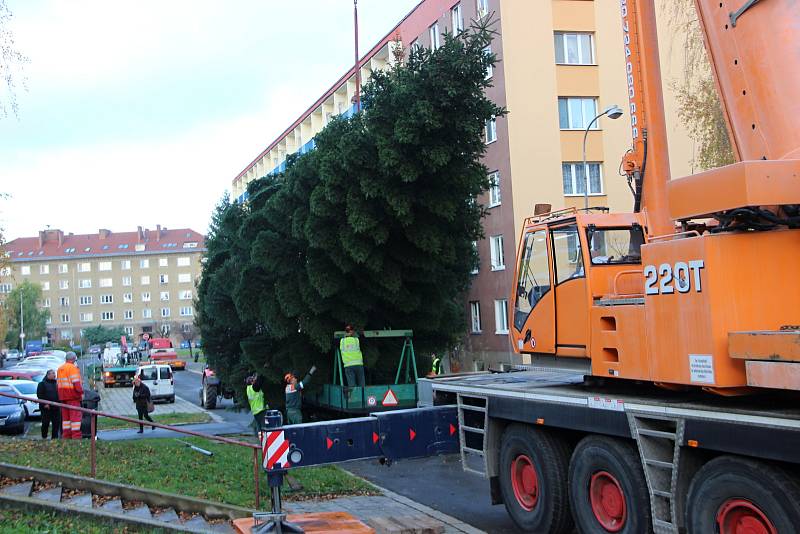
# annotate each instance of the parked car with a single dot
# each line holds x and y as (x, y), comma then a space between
(184, 344)
(160, 381)
(25, 388)
(42, 360)
(13, 354)
(95, 349)
(23, 373)
(55, 352)
(12, 413)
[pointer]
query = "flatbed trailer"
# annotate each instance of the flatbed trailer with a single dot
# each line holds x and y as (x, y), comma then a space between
(625, 457)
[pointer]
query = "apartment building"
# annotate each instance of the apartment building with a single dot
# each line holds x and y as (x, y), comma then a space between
(561, 63)
(142, 281)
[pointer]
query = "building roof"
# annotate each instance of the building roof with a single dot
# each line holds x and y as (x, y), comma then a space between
(55, 244)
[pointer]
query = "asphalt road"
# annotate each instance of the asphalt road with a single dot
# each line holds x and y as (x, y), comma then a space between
(187, 387)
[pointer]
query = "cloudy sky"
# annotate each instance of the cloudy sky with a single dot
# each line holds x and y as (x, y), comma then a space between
(142, 112)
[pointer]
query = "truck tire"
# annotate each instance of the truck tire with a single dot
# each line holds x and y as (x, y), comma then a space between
(607, 488)
(210, 399)
(731, 493)
(533, 479)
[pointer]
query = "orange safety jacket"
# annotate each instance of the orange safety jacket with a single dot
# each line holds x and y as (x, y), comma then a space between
(69, 382)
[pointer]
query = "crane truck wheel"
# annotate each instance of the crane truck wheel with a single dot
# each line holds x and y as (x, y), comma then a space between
(730, 495)
(533, 479)
(608, 491)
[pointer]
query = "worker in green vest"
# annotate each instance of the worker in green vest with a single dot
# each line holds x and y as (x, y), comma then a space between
(436, 366)
(255, 398)
(352, 360)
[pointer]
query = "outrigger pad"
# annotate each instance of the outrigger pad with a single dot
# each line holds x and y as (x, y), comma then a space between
(313, 523)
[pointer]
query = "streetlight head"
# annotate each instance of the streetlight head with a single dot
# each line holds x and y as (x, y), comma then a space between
(613, 112)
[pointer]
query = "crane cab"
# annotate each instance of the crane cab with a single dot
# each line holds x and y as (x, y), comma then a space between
(568, 262)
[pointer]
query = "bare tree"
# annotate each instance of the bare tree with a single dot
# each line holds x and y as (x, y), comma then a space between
(698, 100)
(12, 62)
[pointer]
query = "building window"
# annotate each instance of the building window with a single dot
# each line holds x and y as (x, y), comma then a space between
(84, 267)
(63, 284)
(125, 265)
(190, 244)
(490, 67)
(574, 178)
(107, 316)
(66, 334)
(106, 282)
(127, 297)
(45, 269)
(490, 132)
(46, 303)
(457, 19)
(145, 280)
(85, 283)
(25, 270)
(126, 281)
(128, 314)
(164, 312)
(147, 313)
(477, 265)
(45, 286)
(494, 189)
(501, 316)
(144, 264)
(165, 328)
(498, 258)
(184, 261)
(575, 113)
(6, 288)
(574, 48)
(186, 295)
(165, 295)
(163, 262)
(106, 299)
(49, 320)
(434, 34)
(64, 317)
(87, 317)
(186, 311)
(146, 296)
(184, 278)
(85, 300)
(63, 302)
(129, 330)
(482, 7)
(104, 266)
(475, 316)
(163, 279)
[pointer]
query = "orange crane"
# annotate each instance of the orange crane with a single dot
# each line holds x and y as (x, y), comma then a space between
(697, 286)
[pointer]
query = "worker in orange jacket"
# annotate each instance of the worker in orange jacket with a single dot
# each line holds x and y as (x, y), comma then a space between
(70, 391)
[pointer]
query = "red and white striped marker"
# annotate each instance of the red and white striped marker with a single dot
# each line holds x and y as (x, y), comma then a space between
(274, 449)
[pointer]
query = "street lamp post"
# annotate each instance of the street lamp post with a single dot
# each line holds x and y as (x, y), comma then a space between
(613, 112)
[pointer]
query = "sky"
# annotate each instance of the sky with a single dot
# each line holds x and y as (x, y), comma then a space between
(137, 113)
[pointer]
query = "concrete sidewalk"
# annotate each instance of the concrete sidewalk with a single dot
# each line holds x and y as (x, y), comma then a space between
(119, 401)
(215, 429)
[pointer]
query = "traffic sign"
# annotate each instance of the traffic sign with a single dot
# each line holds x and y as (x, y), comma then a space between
(22, 335)
(390, 399)
(371, 400)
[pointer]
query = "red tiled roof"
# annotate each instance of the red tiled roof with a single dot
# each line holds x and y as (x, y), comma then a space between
(103, 243)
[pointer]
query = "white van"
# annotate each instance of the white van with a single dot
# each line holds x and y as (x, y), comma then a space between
(158, 378)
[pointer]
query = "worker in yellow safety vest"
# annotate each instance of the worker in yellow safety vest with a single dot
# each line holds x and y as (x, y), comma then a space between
(352, 360)
(255, 398)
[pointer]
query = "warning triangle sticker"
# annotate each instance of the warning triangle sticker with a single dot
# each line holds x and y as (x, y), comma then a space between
(390, 399)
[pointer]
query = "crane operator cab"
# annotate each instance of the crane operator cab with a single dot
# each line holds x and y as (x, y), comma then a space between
(568, 262)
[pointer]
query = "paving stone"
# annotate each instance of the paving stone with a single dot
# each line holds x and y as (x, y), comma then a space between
(52, 494)
(112, 506)
(224, 528)
(21, 490)
(168, 516)
(142, 512)
(81, 499)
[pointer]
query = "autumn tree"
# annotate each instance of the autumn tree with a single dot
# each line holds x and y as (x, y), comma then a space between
(28, 316)
(698, 99)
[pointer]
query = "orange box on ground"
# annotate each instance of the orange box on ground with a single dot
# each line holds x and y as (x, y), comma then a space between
(318, 523)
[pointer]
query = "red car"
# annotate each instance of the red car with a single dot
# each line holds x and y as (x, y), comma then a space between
(36, 376)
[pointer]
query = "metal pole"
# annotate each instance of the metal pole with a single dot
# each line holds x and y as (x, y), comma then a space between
(585, 169)
(93, 446)
(256, 469)
(357, 62)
